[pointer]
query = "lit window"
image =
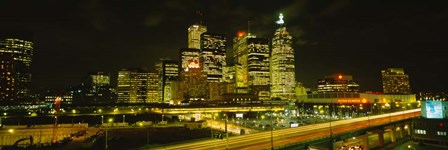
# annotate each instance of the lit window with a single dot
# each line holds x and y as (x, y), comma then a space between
(441, 133)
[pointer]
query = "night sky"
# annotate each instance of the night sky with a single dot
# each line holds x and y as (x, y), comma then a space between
(358, 38)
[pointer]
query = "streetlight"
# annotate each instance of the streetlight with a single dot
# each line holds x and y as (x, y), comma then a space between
(110, 121)
(227, 133)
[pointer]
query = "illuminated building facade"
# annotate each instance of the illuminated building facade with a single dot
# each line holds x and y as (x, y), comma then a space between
(337, 83)
(98, 79)
(187, 56)
(7, 92)
(282, 64)
(168, 73)
(252, 65)
(95, 89)
(395, 81)
(153, 90)
(229, 79)
(15, 65)
(194, 83)
(213, 55)
(228, 74)
(137, 86)
(194, 35)
(241, 53)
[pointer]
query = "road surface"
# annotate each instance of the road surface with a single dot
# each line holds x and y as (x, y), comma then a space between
(291, 136)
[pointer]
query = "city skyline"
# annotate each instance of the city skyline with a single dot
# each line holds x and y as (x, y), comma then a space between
(339, 37)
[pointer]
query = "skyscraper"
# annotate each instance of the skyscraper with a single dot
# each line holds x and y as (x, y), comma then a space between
(194, 83)
(15, 65)
(168, 73)
(194, 35)
(213, 55)
(252, 65)
(137, 86)
(282, 64)
(241, 53)
(395, 81)
(337, 83)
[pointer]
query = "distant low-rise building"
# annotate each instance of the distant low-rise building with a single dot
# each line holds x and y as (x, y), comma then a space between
(346, 104)
(66, 97)
(337, 83)
(196, 124)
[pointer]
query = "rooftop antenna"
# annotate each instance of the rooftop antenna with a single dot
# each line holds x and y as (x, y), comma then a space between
(199, 13)
(248, 27)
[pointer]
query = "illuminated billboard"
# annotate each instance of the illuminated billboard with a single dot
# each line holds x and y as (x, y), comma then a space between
(239, 115)
(433, 109)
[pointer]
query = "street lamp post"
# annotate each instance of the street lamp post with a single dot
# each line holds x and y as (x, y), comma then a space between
(227, 133)
(331, 136)
(110, 121)
(106, 140)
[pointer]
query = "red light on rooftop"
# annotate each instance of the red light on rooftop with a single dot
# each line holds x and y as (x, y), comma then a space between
(241, 33)
(441, 124)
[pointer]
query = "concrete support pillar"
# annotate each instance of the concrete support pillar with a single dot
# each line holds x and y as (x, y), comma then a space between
(365, 141)
(381, 138)
(408, 130)
(401, 132)
(393, 135)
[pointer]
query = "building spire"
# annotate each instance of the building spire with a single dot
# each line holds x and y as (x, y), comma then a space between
(280, 19)
(248, 27)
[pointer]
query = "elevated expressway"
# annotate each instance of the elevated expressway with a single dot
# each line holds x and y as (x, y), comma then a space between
(292, 136)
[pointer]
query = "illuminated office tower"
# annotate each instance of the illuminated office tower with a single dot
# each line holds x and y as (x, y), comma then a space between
(194, 35)
(194, 83)
(395, 81)
(137, 86)
(282, 64)
(168, 73)
(187, 56)
(213, 56)
(153, 93)
(252, 65)
(240, 51)
(15, 65)
(337, 83)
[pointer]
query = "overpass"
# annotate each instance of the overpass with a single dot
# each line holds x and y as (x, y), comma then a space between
(143, 109)
(300, 135)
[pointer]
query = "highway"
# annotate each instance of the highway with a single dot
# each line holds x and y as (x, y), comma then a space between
(292, 136)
